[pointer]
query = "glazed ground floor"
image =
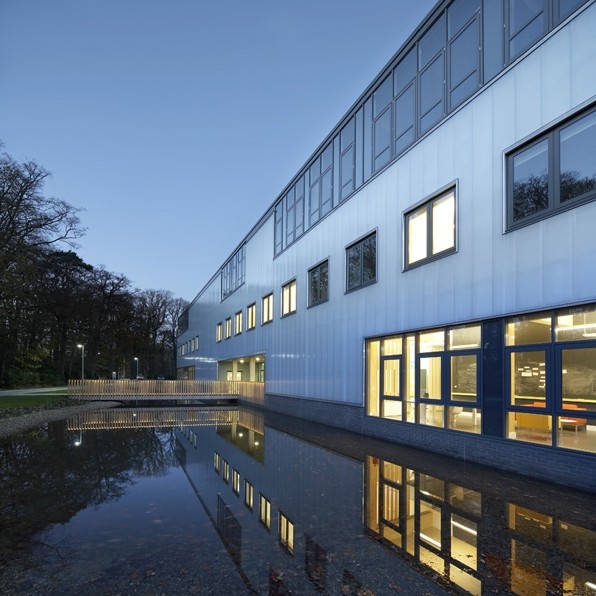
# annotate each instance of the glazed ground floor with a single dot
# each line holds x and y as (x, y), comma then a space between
(529, 378)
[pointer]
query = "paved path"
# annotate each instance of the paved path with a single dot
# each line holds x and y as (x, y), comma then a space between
(4, 392)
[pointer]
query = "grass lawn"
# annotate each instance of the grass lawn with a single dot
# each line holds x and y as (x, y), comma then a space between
(34, 401)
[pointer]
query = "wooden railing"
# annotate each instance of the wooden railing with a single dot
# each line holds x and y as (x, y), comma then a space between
(108, 388)
(153, 418)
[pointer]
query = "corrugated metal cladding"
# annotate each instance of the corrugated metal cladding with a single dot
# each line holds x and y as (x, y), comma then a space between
(318, 352)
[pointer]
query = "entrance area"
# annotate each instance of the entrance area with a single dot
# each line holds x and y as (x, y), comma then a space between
(247, 368)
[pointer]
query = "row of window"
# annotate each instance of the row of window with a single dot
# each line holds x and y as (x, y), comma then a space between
(285, 526)
(430, 233)
(466, 46)
(436, 378)
(192, 345)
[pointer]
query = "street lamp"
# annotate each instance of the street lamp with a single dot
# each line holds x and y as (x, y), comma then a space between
(137, 361)
(82, 346)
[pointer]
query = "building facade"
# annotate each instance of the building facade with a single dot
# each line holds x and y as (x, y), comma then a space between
(429, 275)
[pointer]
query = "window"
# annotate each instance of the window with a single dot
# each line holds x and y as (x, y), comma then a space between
(236, 481)
(429, 377)
(361, 263)
(232, 273)
(553, 172)
(238, 323)
(318, 284)
(320, 176)
(218, 332)
(288, 298)
(267, 309)
(431, 65)
(382, 122)
(347, 162)
(430, 230)
(464, 49)
(248, 494)
(251, 316)
(228, 327)
(551, 359)
(216, 462)
(226, 471)
(265, 512)
(294, 216)
(404, 81)
(286, 533)
(526, 23)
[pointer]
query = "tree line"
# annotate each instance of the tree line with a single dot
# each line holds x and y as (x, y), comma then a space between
(51, 301)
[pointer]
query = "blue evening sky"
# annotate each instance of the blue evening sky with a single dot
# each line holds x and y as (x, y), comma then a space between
(176, 123)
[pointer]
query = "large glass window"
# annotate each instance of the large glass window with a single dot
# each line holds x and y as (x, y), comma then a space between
(430, 377)
(552, 378)
(430, 230)
(318, 284)
(361, 263)
(553, 172)
(288, 298)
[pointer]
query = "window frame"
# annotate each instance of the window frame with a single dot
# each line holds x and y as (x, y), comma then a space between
(360, 243)
(219, 332)
(236, 481)
(265, 511)
(427, 205)
(228, 329)
(238, 323)
(551, 134)
(285, 537)
(314, 271)
(289, 298)
(267, 310)
(251, 316)
(249, 494)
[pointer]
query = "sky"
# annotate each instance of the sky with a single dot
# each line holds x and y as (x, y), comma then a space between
(175, 124)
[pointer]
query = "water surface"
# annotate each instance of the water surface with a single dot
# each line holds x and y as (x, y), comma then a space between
(232, 501)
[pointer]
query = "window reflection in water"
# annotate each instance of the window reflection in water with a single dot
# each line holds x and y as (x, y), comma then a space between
(452, 530)
(310, 504)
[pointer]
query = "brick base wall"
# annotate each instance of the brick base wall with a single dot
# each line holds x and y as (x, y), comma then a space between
(569, 468)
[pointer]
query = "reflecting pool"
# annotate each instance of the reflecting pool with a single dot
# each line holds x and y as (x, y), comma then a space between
(221, 500)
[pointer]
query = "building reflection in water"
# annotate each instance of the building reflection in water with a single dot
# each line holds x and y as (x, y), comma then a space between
(306, 509)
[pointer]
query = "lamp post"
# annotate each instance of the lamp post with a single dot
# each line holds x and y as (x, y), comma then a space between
(137, 361)
(82, 346)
